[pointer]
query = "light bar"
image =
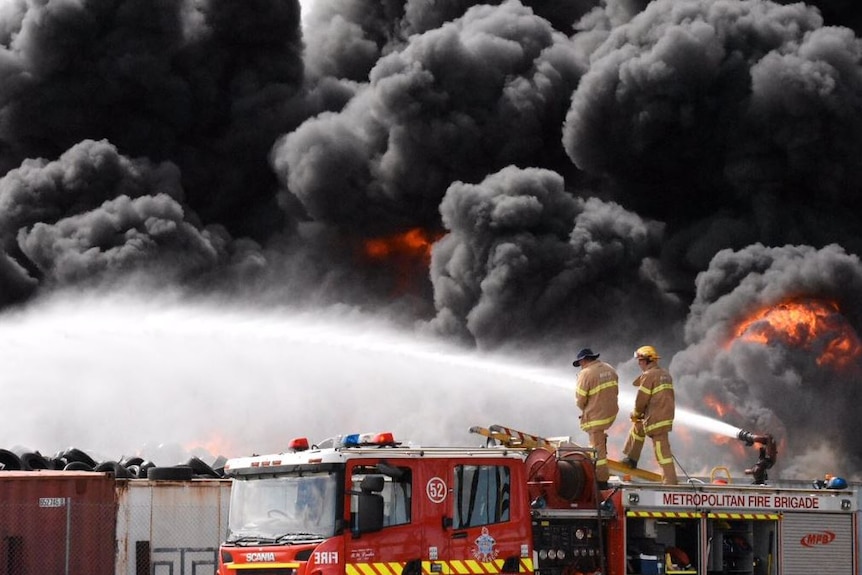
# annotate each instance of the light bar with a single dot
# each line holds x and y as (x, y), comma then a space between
(357, 439)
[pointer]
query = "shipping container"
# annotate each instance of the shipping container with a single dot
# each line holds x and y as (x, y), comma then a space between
(57, 522)
(170, 527)
(90, 523)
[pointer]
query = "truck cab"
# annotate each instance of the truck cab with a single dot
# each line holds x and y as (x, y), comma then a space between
(365, 506)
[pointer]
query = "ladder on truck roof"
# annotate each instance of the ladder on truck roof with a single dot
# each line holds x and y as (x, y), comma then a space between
(513, 438)
(509, 437)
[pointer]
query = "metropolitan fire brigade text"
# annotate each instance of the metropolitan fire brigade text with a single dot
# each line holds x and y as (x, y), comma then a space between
(754, 501)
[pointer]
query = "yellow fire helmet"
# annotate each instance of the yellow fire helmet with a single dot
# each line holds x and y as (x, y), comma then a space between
(647, 352)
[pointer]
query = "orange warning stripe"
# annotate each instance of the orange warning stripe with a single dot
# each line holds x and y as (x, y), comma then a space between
(465, 567)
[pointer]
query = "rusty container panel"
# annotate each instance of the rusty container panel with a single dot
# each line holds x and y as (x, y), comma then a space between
(57, 522)
(170, 526)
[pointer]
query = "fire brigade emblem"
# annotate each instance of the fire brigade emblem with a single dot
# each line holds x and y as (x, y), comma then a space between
(484, 550)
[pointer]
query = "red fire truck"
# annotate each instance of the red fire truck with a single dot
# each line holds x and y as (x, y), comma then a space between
(366, 505)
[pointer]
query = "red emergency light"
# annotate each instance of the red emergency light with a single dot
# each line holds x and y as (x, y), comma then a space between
(298, 444)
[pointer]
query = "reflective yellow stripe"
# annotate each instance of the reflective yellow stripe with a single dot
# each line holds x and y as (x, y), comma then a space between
(658, 389)
(601, 387)
(661, 514)
(465, 567)
(598, 422)
(388, 568)
(367, 568)
(656, 425)
(662, 460)
(755, 516)
(459, 567)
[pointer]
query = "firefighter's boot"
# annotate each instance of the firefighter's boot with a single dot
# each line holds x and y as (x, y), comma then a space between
(629, 462)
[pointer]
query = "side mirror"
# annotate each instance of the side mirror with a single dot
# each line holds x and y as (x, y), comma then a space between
(369, 515)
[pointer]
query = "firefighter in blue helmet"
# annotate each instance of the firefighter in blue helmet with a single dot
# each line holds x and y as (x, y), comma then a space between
(596, 395)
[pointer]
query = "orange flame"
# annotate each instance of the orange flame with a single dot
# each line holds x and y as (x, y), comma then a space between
(414, 243)
(719, 408)
(808, 324)
(215, 444)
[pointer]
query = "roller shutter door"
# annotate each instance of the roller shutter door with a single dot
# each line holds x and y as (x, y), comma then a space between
(817, 543)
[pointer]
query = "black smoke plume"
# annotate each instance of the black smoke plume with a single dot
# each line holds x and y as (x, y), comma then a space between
(600, 172)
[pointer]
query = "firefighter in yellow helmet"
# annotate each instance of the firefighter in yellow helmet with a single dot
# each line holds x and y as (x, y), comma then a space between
(653, 414)
(596, 396)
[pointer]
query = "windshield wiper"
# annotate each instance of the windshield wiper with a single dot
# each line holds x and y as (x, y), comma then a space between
(299, 536)
(252, 540)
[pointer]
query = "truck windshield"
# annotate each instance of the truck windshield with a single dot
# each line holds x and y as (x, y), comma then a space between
(282, 509)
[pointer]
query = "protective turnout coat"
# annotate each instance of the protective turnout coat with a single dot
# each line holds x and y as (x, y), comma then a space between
(655, 400)
(596, 394)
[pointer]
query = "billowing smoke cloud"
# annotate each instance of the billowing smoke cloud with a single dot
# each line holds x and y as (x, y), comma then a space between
(734, 122)
(531, 176)
(525, 260)
(477, 94)
(793, 387)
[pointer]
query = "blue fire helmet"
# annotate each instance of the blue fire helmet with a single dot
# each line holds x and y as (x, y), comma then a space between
(584, 354)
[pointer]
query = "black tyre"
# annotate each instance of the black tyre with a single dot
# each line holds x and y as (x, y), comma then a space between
(177, 473)
(129, 461)
(200, 468)
(35, 461)
(74, 454)
(9, 461)
(77, 466)
(114, 468)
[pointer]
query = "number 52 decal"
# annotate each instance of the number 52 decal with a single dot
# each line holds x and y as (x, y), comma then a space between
(436, 490)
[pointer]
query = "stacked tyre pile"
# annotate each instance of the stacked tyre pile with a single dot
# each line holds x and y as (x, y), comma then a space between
(128, 468)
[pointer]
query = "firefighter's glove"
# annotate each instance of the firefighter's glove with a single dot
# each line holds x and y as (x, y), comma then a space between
(635, 416)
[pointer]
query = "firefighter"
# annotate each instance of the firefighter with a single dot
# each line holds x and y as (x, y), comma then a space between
(596, 396)
(653, 414)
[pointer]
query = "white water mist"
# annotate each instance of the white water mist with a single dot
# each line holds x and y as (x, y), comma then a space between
(161, 379)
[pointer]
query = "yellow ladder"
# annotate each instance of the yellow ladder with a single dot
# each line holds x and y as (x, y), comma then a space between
(509, 437)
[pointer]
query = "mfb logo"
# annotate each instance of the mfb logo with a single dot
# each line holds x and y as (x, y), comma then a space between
(817, 538)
